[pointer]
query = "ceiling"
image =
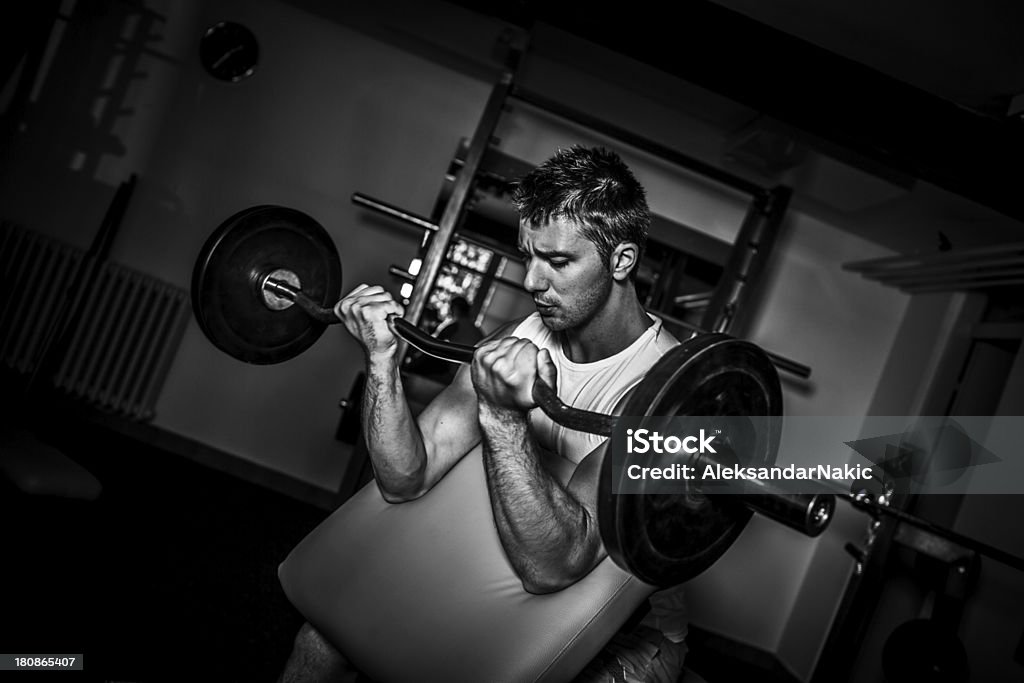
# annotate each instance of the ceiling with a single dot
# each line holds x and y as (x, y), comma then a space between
(918, 86)
(970, 53)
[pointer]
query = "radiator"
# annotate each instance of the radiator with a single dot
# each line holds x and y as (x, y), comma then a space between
(125, 339)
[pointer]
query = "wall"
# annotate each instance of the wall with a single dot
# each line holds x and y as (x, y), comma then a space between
(991, 627)
(315, 123)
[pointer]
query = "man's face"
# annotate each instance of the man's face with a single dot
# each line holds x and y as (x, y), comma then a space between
(565, 274)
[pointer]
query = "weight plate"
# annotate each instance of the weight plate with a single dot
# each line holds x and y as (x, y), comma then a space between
(667, 538)
(227, 277)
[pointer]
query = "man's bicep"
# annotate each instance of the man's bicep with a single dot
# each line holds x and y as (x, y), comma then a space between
(585, 484)
(584, 488)
(449, 425)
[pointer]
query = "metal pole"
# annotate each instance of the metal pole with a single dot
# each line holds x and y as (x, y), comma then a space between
(417, 221)
(747, 259)
(456, 206)
(393, 211)
(781, 362)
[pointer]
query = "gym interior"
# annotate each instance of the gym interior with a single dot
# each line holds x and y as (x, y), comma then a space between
(839, 186)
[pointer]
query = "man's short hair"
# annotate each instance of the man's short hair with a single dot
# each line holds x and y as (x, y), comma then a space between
(593, 188)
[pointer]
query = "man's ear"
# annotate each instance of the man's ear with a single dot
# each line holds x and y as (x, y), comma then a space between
(623, 260)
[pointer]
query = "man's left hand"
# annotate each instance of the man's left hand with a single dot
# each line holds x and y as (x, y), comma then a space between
(504, 371)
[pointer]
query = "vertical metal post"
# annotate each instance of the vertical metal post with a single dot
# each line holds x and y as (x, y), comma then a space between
(746, 261)
(456, 206)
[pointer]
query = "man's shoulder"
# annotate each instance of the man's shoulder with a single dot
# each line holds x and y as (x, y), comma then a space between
(664, 340)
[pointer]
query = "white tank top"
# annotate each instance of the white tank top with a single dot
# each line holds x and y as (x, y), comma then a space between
(599, 386)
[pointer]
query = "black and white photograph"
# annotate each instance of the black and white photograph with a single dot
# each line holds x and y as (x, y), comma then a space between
(447, 341)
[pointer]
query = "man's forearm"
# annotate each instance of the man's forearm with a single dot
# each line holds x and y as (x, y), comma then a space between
(392, 436)
(548, 536)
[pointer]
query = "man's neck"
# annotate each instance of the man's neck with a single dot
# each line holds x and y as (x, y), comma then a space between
(614, 328)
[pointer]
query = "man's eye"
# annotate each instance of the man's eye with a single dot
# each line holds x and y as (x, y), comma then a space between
(559, 264)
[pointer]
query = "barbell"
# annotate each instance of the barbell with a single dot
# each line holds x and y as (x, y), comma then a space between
(263, 289)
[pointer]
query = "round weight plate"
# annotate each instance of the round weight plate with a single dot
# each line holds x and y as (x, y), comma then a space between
(229, 270)
(667, 538)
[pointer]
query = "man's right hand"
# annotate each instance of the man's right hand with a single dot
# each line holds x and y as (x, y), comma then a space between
(365, 312)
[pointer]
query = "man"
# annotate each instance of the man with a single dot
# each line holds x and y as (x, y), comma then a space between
(583, 225)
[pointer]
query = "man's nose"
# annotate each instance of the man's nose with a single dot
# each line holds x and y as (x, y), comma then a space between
(534, 281)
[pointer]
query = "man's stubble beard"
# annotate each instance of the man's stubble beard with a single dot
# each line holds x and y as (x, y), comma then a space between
(584, 310)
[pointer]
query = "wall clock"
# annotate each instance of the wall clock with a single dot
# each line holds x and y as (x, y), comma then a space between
(228, 51)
